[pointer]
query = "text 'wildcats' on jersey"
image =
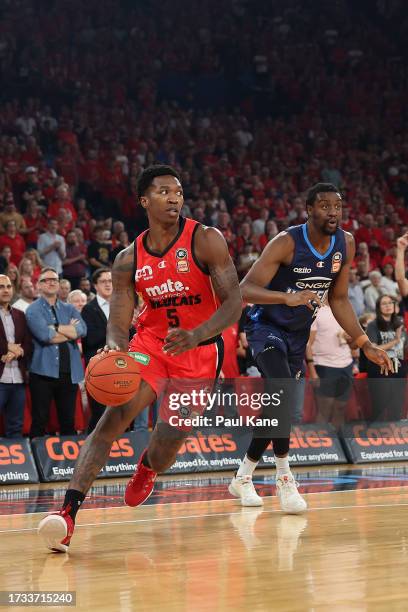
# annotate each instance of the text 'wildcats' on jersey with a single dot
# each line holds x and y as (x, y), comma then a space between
(310, 270)
(176, 290)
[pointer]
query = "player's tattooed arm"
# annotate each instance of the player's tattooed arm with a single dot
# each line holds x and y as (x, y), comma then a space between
(212, 251)
(122, 303)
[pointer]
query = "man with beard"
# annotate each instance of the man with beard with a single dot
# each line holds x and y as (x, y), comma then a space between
(297, 272)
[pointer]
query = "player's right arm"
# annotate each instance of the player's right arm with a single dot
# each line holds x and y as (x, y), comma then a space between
(253, 286)
(402, 244)
(122, 303)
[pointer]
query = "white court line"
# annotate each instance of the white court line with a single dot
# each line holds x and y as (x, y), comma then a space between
(193, 516)
(204, 501)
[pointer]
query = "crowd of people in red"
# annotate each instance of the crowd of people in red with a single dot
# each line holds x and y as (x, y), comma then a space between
(99, 90)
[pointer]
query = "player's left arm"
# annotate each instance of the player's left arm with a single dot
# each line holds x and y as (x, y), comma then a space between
(122, 303)
(345, 315)
(212, 251)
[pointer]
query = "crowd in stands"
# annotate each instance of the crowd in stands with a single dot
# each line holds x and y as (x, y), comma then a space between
(253, 102)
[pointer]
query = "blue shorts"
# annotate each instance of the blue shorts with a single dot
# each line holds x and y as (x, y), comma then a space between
(292, 345)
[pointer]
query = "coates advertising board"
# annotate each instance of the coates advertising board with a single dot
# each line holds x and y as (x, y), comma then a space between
(209, 451)
(56, 456)
(16, 462)
(370, 442)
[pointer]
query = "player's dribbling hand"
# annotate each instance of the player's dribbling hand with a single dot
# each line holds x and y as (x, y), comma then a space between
(378, 356)
(178, 341)
(303, 298)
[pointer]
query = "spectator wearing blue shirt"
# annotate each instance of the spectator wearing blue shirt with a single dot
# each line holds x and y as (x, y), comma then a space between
(56, 367)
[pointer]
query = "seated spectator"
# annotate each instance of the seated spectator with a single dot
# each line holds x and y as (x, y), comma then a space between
(27, 294)
(64, 290)
(259, 224)
(75, 263)
(246, 259)
(85, 287)
(78, 299)
(62, 200)
(14, 240)
(99, 250)
(56, 367)
(51, 247)
(15, 351)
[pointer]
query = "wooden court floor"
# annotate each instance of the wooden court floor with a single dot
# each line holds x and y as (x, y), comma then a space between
(348, 552)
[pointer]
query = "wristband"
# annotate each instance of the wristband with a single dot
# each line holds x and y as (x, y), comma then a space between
(361, 340)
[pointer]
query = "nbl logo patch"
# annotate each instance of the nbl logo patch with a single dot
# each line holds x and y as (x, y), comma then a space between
(336, 262)
(182, 264)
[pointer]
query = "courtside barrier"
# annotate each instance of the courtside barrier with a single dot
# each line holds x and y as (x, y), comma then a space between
(16, 462)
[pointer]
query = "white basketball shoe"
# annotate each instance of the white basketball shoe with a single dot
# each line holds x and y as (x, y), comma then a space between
(243, 487)
(291, 502)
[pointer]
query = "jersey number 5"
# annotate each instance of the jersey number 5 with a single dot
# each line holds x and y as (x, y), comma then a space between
(172, 317)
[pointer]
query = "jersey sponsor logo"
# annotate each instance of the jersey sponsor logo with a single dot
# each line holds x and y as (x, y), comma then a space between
(336, 262)
(314, 283)
(182, 264)
(320, 264)
(302, 270)
(169, 286)
(140, 357)
(184, 300)
(146, 273)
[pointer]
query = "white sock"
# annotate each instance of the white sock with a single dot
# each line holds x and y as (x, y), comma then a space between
(247, 467)
(282, 466)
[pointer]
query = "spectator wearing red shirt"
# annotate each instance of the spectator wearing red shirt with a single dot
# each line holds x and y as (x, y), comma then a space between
(14, 240)
(62, 201)
(368, 232)
(35, 222)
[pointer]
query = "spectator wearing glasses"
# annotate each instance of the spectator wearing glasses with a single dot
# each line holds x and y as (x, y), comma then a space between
(15, 350)
(95, 315)
(56, 367)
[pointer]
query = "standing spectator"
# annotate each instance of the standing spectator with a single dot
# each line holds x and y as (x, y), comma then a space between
(95, 315)
(387, 392)
(373, 291)
(26, 268)
(355, 293)
(64, 290)
(51, 247)
(75, 263)
(99, 250)
(10, 214)
(331, 364)
(35, 222)
(15, 350)
(27, 294)
(122, 243)
(14, 240)
(85, 286)
(56, 367)
(388, 282)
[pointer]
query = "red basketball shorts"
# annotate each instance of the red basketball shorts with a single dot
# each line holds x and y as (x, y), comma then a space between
(174, 376)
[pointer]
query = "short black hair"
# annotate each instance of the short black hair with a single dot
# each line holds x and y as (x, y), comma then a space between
(149, 174)
(319, 188)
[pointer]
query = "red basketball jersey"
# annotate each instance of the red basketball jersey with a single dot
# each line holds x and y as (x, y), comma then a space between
(176, 290)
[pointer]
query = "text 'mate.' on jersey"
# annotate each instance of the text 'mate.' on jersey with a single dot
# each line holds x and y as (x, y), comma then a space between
(308, 269)
(176, 290)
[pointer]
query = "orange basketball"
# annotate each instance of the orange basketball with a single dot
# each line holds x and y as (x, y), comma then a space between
(112, 378)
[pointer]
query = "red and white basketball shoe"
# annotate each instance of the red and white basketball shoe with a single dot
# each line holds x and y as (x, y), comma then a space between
(140, 486)
(56, 530)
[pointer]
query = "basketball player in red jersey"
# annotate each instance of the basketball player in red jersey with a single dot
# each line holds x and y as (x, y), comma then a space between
(182, 270)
